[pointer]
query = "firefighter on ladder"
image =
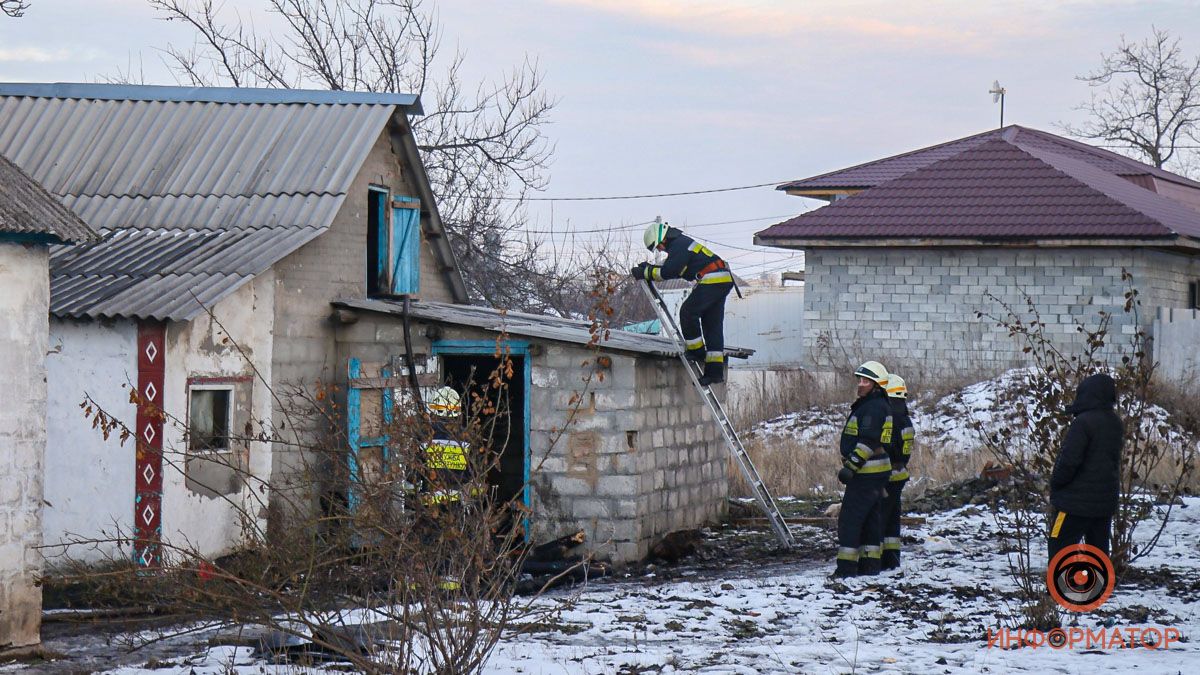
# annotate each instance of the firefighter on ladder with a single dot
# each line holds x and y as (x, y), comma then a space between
(864, 472)
(899, 451)
(443, 477)
(702, 314)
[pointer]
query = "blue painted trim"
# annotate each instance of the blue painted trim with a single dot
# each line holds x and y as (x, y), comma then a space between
(145, 92)
(405, 247)
(516, 348)
(381, 237)
(353, 421)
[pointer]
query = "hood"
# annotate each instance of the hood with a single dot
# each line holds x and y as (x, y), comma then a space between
(899, 405)
(1096, 391)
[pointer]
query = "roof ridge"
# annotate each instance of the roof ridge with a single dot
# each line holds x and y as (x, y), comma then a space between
(220, 95)
(1139, 166)
(181, 195)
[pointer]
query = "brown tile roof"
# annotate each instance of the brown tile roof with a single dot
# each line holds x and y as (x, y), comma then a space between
(1014, 184)
(27, 209)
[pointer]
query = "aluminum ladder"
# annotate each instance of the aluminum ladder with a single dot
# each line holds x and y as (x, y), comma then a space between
(765, 501)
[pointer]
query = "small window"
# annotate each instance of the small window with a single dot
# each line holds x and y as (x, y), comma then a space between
(208, 419)
(1194, 295)
(378, 279)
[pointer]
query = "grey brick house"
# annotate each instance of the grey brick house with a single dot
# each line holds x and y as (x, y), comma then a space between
(910, 246)
(304, 222)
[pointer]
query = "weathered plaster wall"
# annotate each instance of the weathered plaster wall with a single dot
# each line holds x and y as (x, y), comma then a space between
(25, 278)
(89, 480)
(914, 309)
(205, 353)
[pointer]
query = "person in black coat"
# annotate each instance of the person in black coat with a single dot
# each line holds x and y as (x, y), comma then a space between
(1085, 483)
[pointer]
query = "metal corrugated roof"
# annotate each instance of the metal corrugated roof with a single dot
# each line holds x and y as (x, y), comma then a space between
(196, 190)
(529, 325)
(26, 208)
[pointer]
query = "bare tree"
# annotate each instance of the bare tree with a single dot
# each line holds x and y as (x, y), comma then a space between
(1146, 97)
(13, 8)
(479, 143)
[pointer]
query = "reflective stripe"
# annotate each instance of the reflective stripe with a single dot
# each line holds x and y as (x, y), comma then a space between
(441, 497)
(907, 435)
(446, 455)
(870, 552)
(885, 436)
(881, 465)
(891, 543)
(851, 426)
(702, 249)
(850, 554)
(1062, 515)
(655, 273)
(899, 475)
(714, 357)
(698, 343)
(863, 451)
(716, 278)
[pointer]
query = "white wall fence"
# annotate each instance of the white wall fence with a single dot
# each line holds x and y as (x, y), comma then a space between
(1176, 345)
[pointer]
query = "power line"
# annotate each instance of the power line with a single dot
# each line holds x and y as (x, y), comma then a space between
(649, 196)
(619, 228)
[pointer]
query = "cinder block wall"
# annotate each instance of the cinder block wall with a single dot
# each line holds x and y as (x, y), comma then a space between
(640, 458)
(25, 278)
(914, 309)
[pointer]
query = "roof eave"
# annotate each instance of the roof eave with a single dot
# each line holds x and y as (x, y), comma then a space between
(1176, 242)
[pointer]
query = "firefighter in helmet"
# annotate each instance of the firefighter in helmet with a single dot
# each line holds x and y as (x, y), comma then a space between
(864, 472)
(444, 476)
(702, 315)
(899, 452)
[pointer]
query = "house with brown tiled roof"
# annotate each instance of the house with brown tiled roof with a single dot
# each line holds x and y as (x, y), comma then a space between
(910, 247)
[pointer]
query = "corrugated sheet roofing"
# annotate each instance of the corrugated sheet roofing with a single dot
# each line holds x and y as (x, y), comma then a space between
(194, 195)
(26, 208)
(1002, 187)
(529, 325)
(880, 171)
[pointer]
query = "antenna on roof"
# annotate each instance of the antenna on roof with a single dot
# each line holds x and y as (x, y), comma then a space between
(997, 93)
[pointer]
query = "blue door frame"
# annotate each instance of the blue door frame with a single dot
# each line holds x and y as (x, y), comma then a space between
(488, 348)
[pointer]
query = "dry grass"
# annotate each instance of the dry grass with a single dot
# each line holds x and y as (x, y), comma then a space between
(810, 470)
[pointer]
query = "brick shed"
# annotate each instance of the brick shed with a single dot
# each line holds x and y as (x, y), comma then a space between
(910, 246)
(642, 457)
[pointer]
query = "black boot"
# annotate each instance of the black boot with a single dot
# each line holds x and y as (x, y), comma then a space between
(696, 355)
(714, 373)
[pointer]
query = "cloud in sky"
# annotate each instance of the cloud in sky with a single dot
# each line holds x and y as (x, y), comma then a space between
(41, 55)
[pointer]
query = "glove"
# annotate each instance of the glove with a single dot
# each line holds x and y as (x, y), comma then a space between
(638, 271)
(845, 475)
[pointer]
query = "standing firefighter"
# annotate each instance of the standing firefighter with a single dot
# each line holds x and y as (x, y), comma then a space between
(442, 482)
(864, 472)
(899, 451)
(702, 315)
(1086, 482)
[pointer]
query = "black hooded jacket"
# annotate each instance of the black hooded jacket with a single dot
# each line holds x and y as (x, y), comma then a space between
(1086, 477)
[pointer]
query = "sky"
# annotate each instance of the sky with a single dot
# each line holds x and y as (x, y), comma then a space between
(661, 96)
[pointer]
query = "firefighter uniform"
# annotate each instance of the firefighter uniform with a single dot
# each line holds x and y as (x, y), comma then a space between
(899, 451)
(442, 480)
(865, 472)
(702, 315)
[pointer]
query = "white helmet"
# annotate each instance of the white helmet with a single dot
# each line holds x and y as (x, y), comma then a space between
(873, 370)
(654, 235)
(445, 402)
(895, 386)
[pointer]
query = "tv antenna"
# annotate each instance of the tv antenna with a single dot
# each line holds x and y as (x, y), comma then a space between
(997, 93)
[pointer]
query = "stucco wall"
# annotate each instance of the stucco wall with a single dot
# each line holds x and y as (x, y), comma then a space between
(89, 480)
(204, 353)
(24, 304)
(914, 309)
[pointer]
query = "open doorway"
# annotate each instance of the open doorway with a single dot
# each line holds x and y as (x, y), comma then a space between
(469, 372)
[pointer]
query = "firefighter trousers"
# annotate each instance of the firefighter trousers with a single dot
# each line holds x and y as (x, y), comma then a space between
(1067, 529)
(860, 531)
(890, 516)
(702, 322)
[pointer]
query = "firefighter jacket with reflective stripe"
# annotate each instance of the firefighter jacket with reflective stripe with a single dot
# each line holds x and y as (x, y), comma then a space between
(903, 434)
(867, 432)
(685, 259)
(446, 463)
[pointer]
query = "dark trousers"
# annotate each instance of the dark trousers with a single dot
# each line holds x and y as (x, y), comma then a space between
(704, 311)
(860, 530)
(1066, 530)
(890, 516)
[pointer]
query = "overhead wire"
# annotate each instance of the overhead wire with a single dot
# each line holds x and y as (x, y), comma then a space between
(644, 196)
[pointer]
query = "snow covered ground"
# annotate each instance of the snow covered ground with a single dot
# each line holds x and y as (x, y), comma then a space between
(782, 615)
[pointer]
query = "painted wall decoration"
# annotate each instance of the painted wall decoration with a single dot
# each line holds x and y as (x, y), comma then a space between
(147, 516)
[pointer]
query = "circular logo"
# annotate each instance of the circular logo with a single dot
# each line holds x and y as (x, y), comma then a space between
(1080, 578)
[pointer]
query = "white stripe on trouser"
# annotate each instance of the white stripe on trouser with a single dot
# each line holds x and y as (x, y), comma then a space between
(869, 551)
(891, 543)
(846, 553)
(714, 357)
(698, 343)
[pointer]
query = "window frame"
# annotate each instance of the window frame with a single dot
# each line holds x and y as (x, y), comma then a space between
(229, 410)
(379, 269)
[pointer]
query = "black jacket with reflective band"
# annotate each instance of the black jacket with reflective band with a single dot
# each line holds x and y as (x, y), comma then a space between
(446, 459)
(685, 258)
(868, 430)
(903, 436)
(1087, 474)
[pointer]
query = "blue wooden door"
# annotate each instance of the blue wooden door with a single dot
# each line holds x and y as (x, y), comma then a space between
(368, 416)
(406, 245)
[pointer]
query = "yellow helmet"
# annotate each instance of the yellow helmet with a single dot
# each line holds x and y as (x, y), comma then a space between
(895, 386)
(654, 235)
(873, 370)
(445, 402)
